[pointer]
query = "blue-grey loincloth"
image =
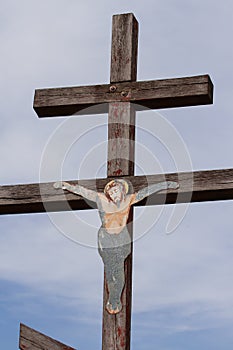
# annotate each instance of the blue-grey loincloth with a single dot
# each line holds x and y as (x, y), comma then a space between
(114, 247)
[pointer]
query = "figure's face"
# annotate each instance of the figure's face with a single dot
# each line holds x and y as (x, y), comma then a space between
(115, 193)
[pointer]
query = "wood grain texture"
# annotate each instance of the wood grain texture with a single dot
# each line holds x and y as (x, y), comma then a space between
(33, 340)
(155, 94)
(121, 153)
(199, 186)
(121, 139)
(124, 48)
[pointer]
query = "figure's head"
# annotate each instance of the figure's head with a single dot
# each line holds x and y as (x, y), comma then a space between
(116, 190)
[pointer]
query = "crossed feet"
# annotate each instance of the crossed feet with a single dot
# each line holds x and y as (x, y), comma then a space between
(114, 308)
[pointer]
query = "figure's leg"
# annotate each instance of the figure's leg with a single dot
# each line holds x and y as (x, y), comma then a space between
(115, 276)
(113, 250)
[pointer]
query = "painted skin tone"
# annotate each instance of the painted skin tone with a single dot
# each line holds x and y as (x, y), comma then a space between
(113, 238)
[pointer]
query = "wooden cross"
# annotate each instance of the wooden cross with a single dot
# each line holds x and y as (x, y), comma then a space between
(30, 339)
(119, 94)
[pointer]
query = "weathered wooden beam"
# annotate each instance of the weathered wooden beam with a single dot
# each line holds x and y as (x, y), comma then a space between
(124, 50)
(155, 94)
(199, 186)
(32, 340)
(116, 330)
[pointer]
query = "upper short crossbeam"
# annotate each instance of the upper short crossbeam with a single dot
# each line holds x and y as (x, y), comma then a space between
(155, 94)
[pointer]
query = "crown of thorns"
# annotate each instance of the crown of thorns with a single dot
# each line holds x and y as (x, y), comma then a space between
(113, 183)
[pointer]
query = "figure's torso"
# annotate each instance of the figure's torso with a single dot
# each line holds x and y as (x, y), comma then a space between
(114, 218)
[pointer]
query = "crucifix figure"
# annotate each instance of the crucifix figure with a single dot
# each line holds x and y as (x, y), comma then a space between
(114, 202)
(114, 241)
(120, 99)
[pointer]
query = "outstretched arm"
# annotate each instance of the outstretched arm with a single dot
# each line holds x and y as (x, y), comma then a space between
(77, 189)
(147, 191)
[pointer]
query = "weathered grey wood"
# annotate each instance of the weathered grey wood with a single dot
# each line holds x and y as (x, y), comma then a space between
(33, 340)
(155, 94)
(121, 153)
(210, 185)
(124, 50)
(121, 139)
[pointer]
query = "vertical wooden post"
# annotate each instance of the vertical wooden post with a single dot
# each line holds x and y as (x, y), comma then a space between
(121, 136)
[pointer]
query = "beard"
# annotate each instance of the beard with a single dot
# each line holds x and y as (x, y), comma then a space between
(118, 203)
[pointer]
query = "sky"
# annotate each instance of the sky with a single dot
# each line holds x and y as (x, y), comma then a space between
(51, 275)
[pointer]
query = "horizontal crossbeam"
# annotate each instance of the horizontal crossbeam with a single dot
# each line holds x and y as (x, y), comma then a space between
(211, 185)
(168, 93)
(32, 340)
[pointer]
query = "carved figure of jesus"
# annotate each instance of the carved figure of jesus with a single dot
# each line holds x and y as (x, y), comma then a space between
(114, 241)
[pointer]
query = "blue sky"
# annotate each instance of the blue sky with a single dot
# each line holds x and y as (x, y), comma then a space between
(50, 271)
